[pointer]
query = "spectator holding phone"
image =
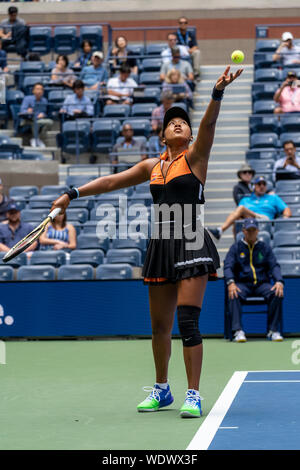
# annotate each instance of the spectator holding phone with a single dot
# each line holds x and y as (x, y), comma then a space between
(290, 163)
(287, 52)
(288, 95)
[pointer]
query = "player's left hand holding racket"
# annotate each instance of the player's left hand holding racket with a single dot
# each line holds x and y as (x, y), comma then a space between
(27, 241)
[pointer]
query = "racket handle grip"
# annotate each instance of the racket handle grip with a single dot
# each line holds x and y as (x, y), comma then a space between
(54, 213)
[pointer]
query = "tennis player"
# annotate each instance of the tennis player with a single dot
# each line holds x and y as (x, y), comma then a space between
(177, 276)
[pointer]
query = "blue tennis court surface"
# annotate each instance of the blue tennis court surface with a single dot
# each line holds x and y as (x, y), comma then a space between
(256, 410)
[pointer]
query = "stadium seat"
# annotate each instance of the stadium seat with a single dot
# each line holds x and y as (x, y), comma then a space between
(36, 273)
(263, 226)
(92, 257)
(151, 65)
(82, 203)
(75, 137)
(89, 227)
(80, 272)
(23, 191)
(267, 45)
(143, 109)
(263, 124)
(65, 41)
(14, 96)
(114, 271)
(130, 255)
(264, 107)
(92, 242)
(53, 190)
(54, 258)
(138, 242)
(290, 268)
(287, 253)
(40, 202)
(116, 110)
(264, 91)
(40, 40)
(261, 166)
(290, 68)
(55, 101)
(294, 136)
(288, 238)
(6, 273)
(295, 208)
(78, 180)
(262, 236)
(20, 203)
(149, 78)
(137, 49)
(28, 69)
(29, 82)
(155, 48)
(264, 140)
(78, 215)
(94, 34)
(287, 225)
(292, 186)
(267, 75)
(150, 94)
(289, 198)
(34, 215)
(263, 60)
(104, 134)
(20, 260)
(289, 123)
(140, 126)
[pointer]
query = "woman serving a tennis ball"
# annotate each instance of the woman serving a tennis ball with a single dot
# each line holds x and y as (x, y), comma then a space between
(175, 272)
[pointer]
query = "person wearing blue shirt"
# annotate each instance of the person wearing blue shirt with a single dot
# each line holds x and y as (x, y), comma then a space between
(12, 232)
(188, 39)
(34, 109)
(77, 104)
(248, 268)
(94, 76)
(258, 204)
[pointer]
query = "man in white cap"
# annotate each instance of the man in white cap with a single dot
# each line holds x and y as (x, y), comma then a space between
(95, 75)
(287, 52)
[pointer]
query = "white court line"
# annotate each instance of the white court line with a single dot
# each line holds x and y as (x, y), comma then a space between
(208, 429)
(228, 427)
(271, 381)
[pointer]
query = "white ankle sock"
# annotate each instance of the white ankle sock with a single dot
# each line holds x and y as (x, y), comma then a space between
(163, 386)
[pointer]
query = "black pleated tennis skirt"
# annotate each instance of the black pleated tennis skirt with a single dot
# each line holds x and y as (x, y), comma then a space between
(169, 261)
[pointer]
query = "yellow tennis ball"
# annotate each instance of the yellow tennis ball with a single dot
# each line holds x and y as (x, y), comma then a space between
(237, 57)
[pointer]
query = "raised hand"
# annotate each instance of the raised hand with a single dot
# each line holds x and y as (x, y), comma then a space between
(227, 78)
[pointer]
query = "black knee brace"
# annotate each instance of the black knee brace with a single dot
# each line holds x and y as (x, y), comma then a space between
(188, 318)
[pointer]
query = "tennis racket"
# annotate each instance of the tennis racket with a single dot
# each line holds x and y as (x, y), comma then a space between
(23, 244)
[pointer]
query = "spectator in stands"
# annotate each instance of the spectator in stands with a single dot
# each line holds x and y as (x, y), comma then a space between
(166, 54)
(61, 74)
(183, 66)
(290, 164)
(77, 105)
(157, 117)
(3, 59)
(129, 144)
(12, 232)
(174, 78)
(258, 205)
(243, 188)
(248, 266)
(4, 200)
(34, 109)
(95, 76)
(188, 39)
(122, 55)
(33, 57)
(85, 57)
(120, 89)
(287, 52)
(157, 144)
(13, 31)
(288, 95)
(60, 235)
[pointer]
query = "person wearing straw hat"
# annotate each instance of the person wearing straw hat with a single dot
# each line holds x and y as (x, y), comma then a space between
(243, 187)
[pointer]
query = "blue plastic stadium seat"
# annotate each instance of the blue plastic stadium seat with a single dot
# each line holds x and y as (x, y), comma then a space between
(143, 109)
(267, 45)
(264, 124)
(20, 203)
(295, 208)
(40, 40)
(34, 215)
(116, 110)
(289, 123)
(92, 257)
(40, 202)
(155, 48)
(261, 166)
(139, 243)
(28, 69)
(20, 260)
(114, 271)
(151, 65)
(65, 41)
(262, 236)
(264, 91)
(82, 203)
(53, 190)
(78, 215)
(55, 101)
(79, 272)
(131, 256)
(89, 227)
(294, 136)
(29, 82)
(267, 75)
(92, 242)
(78, 180)
(75, 137)
(36, 273)
(264, 107)
(290, 268)
(6, 273)
(150, 78)
(289, 198)
(139, 126)
(287, 253)
(23, 191)
(292, 186)
(263, 60)
(264, 140)
(104, 134)
(14, 96)
(54, 258)
(94, 34)
(286, 238)
(263, 226)
(287, 225)
(151, 94)
(262, 154)
(137, 49)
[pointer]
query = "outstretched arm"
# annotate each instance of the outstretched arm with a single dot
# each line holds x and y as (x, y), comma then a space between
(137, 174)
(199, 151)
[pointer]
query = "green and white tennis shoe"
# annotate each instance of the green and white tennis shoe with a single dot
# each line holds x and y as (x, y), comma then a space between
(158, 398)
